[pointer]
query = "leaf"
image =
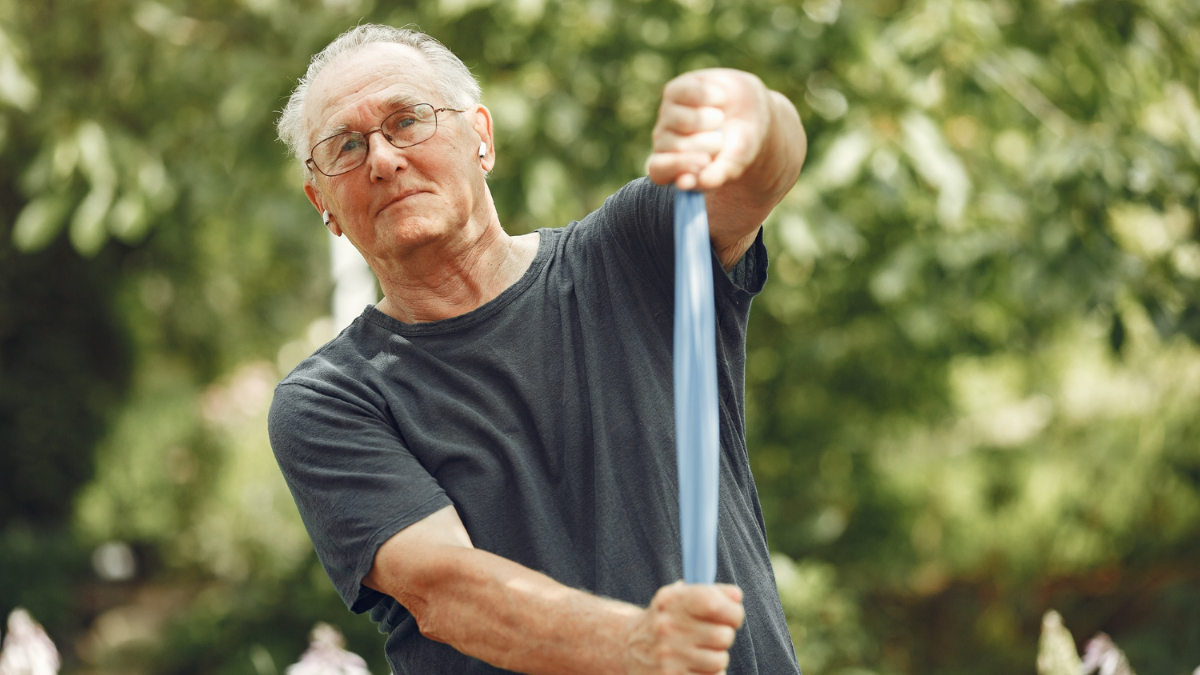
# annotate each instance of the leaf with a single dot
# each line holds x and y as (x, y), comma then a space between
(16, 87)
(87, 227)
(95, 159)
(127, 220)
(39, 222)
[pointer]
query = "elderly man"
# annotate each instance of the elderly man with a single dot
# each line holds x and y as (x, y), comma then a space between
(485, 459)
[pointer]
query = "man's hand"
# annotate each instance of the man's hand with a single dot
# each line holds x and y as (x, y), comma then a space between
(686, 629)
(711, 126)
(722, 131)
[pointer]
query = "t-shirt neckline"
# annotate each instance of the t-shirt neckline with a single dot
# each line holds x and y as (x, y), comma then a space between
(481, 313)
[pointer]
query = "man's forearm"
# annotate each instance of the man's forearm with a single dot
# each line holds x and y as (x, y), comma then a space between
(515, 618)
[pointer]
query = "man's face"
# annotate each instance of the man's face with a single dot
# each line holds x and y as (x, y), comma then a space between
(399, 199)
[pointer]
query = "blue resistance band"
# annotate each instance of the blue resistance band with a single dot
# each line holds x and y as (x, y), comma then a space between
(697, 444)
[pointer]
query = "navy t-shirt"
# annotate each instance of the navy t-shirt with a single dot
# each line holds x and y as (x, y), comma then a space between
(545, 417)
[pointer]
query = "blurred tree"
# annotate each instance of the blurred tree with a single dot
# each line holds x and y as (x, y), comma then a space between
(63, 371)
(973, 378)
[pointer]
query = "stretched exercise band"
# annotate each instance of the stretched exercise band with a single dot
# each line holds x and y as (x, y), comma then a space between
(697, 444)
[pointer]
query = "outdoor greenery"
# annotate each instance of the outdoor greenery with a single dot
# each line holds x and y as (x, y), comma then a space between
(973, 378)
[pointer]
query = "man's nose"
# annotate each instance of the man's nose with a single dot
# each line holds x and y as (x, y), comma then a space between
(383, 158)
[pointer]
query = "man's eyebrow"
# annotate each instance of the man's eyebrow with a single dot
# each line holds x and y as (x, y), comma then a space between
(391, 105)
(400, 101)
(334, 130)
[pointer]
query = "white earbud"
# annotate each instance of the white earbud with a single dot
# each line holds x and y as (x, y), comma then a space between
(325, 217)
(483, 149)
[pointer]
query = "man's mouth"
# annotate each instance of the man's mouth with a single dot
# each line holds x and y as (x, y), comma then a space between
(400, 197)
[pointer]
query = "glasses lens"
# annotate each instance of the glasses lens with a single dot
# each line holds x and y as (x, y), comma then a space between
(411, 125)
(340, 153)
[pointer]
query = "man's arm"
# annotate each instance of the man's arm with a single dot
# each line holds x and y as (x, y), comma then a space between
(517, 619)
(724, 132)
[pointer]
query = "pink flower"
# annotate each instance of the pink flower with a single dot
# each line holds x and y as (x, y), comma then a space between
(1102, 657)
(326, 656)
(27, 648)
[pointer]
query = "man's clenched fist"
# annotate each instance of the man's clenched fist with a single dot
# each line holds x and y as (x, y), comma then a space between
(686, 630)
(711, 126)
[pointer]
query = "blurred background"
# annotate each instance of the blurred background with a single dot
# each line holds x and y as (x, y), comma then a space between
(973, 379)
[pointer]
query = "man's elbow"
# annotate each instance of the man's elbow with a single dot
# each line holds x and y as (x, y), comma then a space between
(432, 592)
(418, 583)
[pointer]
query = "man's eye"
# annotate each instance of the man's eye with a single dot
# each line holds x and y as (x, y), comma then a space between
(351, 144)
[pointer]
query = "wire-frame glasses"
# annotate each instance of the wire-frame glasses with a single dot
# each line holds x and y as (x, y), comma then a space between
(347, 151)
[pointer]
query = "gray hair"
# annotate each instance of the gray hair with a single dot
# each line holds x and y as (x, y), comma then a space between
(452, 79)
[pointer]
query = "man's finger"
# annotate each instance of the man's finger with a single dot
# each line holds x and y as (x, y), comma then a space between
(715, 636)
(734, 593)
(711, 605)
(706, 142)
(706, 661)
(682, 119)
(668, 167)
(692, 89)
(731, 161)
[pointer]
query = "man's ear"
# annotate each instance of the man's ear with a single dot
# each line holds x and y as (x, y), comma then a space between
(482, 124)
(318, 203)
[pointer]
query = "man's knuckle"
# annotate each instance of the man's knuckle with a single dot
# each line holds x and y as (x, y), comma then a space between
(663, 598)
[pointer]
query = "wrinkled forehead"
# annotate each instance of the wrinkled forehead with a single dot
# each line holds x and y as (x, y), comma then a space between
(359, 88)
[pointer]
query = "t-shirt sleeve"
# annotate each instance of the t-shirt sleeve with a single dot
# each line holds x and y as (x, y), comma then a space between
(639, 223)
(353, 480)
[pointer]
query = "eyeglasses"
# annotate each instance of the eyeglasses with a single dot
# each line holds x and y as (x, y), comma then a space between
(347, 151)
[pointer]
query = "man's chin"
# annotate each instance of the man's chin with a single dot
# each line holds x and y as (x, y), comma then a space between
(415, 232)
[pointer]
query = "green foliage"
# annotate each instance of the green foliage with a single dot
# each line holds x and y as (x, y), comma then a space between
(63, 368)
(42, 568)
(972, 379)
(967, 378)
